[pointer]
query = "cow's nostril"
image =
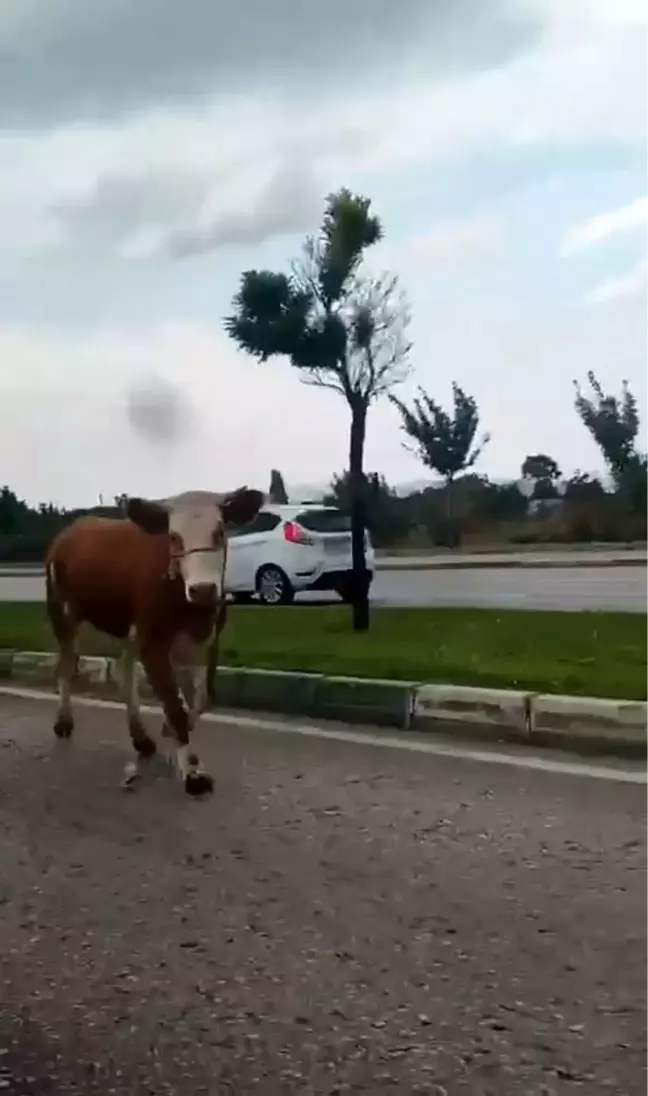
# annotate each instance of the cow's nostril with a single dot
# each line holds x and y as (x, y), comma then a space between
(203, 592)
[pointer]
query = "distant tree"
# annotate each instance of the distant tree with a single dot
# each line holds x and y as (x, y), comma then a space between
(13, 511)
(587, 510)
(504, 502)
(543, 471)
(581, 488)
(445, 443)
(612, 421)
(277, 492)
(632, 485)
(341, 328)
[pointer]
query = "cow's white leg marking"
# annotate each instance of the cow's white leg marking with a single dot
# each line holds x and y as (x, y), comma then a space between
(65, 668)
(184, 761)
(143, 744)
(199, 699)
(130, 679)
(195, 779)
(163, 673)
(192, 675)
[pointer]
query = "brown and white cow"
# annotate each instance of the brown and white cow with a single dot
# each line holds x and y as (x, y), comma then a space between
(155, 580)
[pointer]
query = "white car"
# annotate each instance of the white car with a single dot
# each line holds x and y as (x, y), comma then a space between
(289, 549)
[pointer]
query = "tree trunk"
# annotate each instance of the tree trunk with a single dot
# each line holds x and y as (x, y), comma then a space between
(360, 575)
(453, 536)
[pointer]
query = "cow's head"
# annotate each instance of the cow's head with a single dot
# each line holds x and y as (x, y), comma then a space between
(196, 523)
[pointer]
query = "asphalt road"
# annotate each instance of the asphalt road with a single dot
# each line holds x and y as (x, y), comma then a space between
(622, 588)
(336, 919)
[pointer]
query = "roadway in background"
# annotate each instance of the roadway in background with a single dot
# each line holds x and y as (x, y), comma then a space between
(609, 588)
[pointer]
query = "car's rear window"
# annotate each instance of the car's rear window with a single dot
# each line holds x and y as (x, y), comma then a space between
(324, 521)
(264, 522)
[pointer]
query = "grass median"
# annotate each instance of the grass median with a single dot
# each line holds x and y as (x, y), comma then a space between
(588, 654)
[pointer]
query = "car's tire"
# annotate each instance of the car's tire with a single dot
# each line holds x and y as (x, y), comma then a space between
(274, 586)
(242, 597)
(343, 589)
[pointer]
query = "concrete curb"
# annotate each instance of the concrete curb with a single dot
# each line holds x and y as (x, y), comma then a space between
(580, 724)
(351, 700)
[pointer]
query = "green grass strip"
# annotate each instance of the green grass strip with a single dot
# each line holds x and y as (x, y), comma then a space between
(583, 653)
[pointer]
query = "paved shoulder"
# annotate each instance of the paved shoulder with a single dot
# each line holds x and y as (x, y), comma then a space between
(336, 919)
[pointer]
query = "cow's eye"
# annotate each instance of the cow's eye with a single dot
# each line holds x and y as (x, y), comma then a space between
(217, 536)
(177, 544)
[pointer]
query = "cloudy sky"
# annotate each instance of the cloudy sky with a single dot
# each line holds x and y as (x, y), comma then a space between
(150, 151)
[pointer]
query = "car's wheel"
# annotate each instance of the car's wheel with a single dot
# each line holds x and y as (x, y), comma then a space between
(242, 598)
(344, 589)
(274, 586)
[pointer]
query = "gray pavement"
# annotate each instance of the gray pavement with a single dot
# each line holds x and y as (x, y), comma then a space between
(575, 555)
(555, 557)
(612, 588)
(336, 919)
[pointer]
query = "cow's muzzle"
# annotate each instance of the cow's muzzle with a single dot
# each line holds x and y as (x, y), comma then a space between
(203, 593)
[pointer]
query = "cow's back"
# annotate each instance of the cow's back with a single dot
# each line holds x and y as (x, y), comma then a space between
(103, 569)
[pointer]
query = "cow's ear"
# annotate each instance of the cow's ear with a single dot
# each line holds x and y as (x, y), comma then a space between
(149, 516)
(239, 507)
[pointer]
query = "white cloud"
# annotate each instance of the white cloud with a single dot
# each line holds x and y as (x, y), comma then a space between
(105, 187)
(586, 80)
(632, 284)
(98, 59)
(231, 419)
(451, 247)
(458, 241)
(583, 82)
(566, 17)
(593, 231)
(238, 419)
(177, 174)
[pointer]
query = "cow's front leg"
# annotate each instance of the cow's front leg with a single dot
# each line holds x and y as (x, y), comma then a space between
(196, 693)
(159, 670)
(143, 744)
(192, 665)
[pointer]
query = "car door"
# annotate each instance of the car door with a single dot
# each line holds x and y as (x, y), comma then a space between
(245, 551)
(234, 559)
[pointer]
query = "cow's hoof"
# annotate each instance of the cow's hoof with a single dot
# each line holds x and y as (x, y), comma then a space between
(198, 783)
(132, 776)
(64, 726)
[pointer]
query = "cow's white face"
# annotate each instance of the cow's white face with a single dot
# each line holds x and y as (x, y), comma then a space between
(198, 546)
(196, 523)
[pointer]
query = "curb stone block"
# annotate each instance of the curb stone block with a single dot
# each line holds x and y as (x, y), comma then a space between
(272, 690)
(93, 670)
(6, 665)
(504, 708)
(114, 677)
(34, 666)
(588, 717)
(358, 700)
(577, 723)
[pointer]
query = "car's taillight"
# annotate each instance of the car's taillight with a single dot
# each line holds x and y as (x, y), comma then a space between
(294, 533)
